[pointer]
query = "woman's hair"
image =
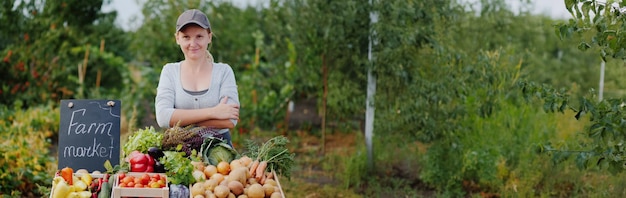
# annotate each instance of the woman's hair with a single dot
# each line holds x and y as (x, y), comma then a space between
(209, 55)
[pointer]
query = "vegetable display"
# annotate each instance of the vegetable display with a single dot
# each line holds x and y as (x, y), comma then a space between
(207, 168)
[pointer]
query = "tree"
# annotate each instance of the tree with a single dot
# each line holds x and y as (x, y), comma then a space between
(48, 45)
(603, 21)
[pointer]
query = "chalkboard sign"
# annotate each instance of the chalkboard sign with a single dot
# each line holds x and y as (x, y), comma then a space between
(89, 134)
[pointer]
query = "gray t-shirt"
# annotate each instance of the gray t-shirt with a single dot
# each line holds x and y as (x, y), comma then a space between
(171, 95)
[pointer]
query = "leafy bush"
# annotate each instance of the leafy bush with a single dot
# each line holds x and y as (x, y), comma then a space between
(27, 163)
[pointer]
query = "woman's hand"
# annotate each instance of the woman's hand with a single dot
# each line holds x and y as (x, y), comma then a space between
(225, 111)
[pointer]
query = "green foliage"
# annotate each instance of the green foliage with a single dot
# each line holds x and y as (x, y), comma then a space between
(355, 168)
(605, 131)
(603, 19)
(462, 151)
(264, 97)
(179, 167)
(27, 163)
(44, 64)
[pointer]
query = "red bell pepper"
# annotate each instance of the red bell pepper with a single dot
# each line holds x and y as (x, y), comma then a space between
(140, 162)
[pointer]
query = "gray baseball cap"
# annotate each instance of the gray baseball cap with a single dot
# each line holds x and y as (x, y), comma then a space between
(192, 16)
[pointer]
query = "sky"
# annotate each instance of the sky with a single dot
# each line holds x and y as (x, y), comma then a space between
(129, 9)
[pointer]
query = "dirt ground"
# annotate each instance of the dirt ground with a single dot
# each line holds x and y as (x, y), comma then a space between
(310, 179)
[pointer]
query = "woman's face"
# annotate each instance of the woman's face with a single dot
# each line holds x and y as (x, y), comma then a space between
(194, 41)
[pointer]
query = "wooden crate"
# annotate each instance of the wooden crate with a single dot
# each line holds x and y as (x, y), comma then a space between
(94, 176)
(278, 183)
(140, 192)
(275, 179)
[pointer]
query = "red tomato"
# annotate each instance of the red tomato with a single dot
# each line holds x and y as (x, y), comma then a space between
(121, 176)
(157, 176)
(145, 178)
(130, 184)
(127, 180)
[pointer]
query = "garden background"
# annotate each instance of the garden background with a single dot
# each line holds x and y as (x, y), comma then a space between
(472, 99)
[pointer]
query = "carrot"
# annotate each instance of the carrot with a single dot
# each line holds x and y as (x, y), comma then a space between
(260, 171)
(263, 178)
(269, 175)
(253, 167)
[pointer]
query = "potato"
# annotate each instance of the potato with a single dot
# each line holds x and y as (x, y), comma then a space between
(197, 189)
(246, 161)
(256, 191)
(208, 193)
(236, 163)
(198, 165)
(223, 168)
(238, 174)
(198, 175)
(218, 177)
(242, 196)
(224, 183)
(252, 180)
(271, 182)
(269, 189)
(221, 191)
(231, 195)
(209, 170)
(210, 184)
(276, 195)
(198, 196)
(276, 189)
(235, 187)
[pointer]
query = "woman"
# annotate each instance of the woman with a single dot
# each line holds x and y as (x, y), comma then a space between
(197, 91)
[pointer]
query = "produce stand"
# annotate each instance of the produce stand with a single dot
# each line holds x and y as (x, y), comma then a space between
(139, 192)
